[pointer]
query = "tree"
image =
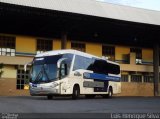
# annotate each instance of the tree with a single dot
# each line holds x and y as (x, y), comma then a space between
(1, 67)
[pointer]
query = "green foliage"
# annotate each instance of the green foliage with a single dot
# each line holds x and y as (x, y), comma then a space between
(1, 67)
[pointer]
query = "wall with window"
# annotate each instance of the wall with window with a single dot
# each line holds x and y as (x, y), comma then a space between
(7, 45)
(43, 45)
(8, 88)
(122, 54)
(109, 52)
(13, 78)
(124, 78)
(78, 46)
(57, 44)
(22, 78)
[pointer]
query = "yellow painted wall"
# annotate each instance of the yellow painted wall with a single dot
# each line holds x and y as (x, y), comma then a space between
(56, 44)
(68, 44)
(147, 55)
(25, 44)
(120, 51)
(9, 72)
(94, 49)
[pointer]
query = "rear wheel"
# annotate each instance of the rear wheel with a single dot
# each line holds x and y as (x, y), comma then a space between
(76, 92)
(49, 97)
(110, 93)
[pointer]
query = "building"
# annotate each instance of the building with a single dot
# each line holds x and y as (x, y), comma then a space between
(129, 36)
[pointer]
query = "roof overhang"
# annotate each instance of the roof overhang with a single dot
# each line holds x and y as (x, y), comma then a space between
(31, 17)
(94, 8)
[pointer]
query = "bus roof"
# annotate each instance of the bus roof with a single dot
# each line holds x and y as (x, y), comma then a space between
(70, 51)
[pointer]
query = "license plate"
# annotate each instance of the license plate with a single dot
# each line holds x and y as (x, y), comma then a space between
(34, 85)
(41, 92)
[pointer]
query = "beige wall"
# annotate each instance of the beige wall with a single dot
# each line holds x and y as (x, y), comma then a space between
(137, 89)
(9, 72)
(17, 60)
(8, 88)
(138, 68)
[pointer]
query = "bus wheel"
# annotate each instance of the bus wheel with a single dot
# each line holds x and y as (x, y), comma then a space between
(76, 92)
(49, 97)
(110, 93)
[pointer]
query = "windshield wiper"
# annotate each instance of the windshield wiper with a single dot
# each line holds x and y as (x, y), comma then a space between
(42, 72)
(38, 76)
(48, 79)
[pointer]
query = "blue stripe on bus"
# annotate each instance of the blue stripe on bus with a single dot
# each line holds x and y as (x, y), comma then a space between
(101, 77)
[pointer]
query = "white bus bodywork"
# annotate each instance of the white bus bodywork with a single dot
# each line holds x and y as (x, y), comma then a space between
(81, 78)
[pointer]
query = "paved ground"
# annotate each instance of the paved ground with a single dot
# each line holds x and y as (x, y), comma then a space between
(67, 105)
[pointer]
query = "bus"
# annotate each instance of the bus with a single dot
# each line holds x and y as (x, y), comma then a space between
(73, 73)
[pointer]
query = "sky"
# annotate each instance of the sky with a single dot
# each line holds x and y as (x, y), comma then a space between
(146, 4)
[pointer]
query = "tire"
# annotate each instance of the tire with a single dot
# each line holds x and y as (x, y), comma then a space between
(76, 92)
(49, 97)
(110, 93)
(90, 96)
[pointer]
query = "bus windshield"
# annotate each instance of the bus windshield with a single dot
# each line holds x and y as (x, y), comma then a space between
(45, 69)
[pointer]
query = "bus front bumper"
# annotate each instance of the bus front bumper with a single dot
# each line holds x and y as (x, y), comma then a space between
(41, 90)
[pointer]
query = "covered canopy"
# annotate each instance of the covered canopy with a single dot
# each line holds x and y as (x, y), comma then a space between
(87, 20)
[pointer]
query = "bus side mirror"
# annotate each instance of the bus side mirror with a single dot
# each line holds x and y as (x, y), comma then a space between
(63, 70)
(25, 66)
(60, 62)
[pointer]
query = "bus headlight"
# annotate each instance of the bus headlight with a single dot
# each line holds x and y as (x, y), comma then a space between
(54, 85)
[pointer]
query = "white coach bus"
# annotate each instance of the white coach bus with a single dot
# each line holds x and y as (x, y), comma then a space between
(74, 73)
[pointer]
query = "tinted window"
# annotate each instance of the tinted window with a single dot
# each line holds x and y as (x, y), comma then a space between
(113, 69)
(95, 65)
(102, 67)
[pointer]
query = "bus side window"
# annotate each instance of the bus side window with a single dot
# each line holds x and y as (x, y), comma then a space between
(82, 63)
(103, 67)
(113, 68)
(99, 66)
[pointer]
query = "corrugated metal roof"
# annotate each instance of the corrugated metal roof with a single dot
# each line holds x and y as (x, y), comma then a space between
(94, 8)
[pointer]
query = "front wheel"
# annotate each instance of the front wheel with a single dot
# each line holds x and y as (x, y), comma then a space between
(76, 93)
